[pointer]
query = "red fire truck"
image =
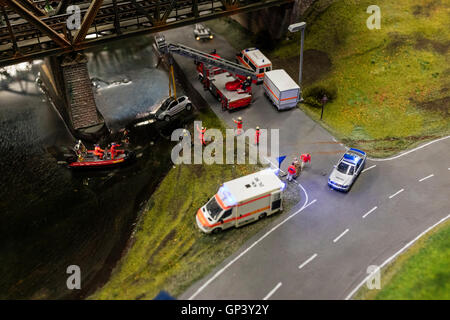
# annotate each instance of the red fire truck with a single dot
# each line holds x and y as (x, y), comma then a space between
(229, 82)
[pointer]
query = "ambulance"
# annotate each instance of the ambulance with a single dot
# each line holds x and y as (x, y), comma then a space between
(242, 201)
(254, 59)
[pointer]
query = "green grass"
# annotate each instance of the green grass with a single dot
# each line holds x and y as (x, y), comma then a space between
(168, 252)
(423, 272)
(392, 85)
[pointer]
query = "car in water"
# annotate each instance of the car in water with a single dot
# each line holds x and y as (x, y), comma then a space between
(202, 33)
(171, 107)
(347, 170)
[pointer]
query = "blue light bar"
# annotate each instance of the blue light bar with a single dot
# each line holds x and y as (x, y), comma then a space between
(357, 150)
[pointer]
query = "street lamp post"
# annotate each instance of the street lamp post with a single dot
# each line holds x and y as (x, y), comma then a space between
(300, 26)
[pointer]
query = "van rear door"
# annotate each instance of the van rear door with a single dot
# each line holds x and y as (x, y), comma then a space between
(275, 202)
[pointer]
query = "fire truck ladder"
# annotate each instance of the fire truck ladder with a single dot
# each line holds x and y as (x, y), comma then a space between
(198, 56)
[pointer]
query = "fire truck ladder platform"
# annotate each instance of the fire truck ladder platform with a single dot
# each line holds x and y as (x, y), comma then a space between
(198, 56)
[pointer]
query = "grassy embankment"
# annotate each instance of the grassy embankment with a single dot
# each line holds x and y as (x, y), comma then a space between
(391, 86)
(423, 272)
(167, 251)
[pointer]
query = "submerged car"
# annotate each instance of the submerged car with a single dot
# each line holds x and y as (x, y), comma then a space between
(171, 107)
(347, 170)
(202, 33)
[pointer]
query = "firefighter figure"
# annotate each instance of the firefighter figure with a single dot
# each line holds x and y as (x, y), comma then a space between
(112, 151)
(306, 157)
(298, 167)
(238, 125)
(201, 134)
(291, 172)
(257, 134)
(98, 152)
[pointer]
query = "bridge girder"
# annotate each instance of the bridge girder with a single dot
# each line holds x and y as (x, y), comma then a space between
(27, 35)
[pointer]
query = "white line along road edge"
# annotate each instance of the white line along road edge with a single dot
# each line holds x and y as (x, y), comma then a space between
(272, 291)
(218, 273)
(409, 151)
(395, 255)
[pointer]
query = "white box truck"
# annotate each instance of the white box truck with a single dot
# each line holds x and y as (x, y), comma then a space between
(281, 89)
(241, 201)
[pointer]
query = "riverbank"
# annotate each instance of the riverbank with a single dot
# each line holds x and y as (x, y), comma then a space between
(167, 250)
(421, 273)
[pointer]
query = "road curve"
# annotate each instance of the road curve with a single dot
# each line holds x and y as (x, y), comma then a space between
(322, 249)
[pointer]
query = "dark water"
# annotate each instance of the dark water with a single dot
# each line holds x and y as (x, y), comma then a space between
(51, 218)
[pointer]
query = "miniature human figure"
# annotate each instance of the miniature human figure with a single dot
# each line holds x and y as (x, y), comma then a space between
(298, 167)
(247, 83)
(238, 125)
(305, 158)
(113, 152)
(126, 138)
(201, 135)
(257, 134)
(291, 172)
(98, 152)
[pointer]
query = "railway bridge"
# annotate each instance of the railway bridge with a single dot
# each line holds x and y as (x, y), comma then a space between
(58, 31)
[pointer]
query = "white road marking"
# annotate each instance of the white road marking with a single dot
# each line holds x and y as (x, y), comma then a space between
(218, 273)
(272, 291)
(393, 195)
(341, 235)
(394, 256)
(412, 150)
(308, 261)
(427, 177)
(371, 210)
(369, 168)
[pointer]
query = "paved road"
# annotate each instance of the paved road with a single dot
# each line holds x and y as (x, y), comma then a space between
(322, 248)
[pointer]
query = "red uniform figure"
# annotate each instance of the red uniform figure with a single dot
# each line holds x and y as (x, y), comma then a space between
(291, 172)
(305, 158)
(257, 134)
(98, 151)
(238, 125)
(201, 135)
(113, 150)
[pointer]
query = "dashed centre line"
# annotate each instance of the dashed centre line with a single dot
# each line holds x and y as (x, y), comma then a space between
(272, 291)
(341, 235)
(393, 195)
(308, 261)
(369, 212)
(427, 177)
(371, 167)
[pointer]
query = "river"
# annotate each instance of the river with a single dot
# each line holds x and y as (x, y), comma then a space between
(50, 217)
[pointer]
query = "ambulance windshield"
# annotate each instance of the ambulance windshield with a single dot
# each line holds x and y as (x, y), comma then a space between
(213, 208)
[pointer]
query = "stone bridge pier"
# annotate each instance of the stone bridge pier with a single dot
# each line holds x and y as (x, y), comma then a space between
(66, 81)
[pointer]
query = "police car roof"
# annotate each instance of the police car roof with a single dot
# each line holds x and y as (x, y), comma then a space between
(253, 185)
(351, 157)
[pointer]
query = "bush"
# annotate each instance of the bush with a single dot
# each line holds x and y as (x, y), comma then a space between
(313, 95)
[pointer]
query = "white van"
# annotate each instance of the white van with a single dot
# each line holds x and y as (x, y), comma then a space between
(242, 201)
(254, 59)
(281, 89)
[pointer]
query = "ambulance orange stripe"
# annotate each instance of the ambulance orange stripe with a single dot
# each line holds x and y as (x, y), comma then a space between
(248, 66)
(266, 65)
(276, 96)
(205, 223)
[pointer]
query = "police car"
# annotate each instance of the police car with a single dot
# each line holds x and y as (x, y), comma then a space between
(347, 170)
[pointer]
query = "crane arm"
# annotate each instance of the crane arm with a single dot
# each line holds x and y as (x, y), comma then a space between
(199, 56)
